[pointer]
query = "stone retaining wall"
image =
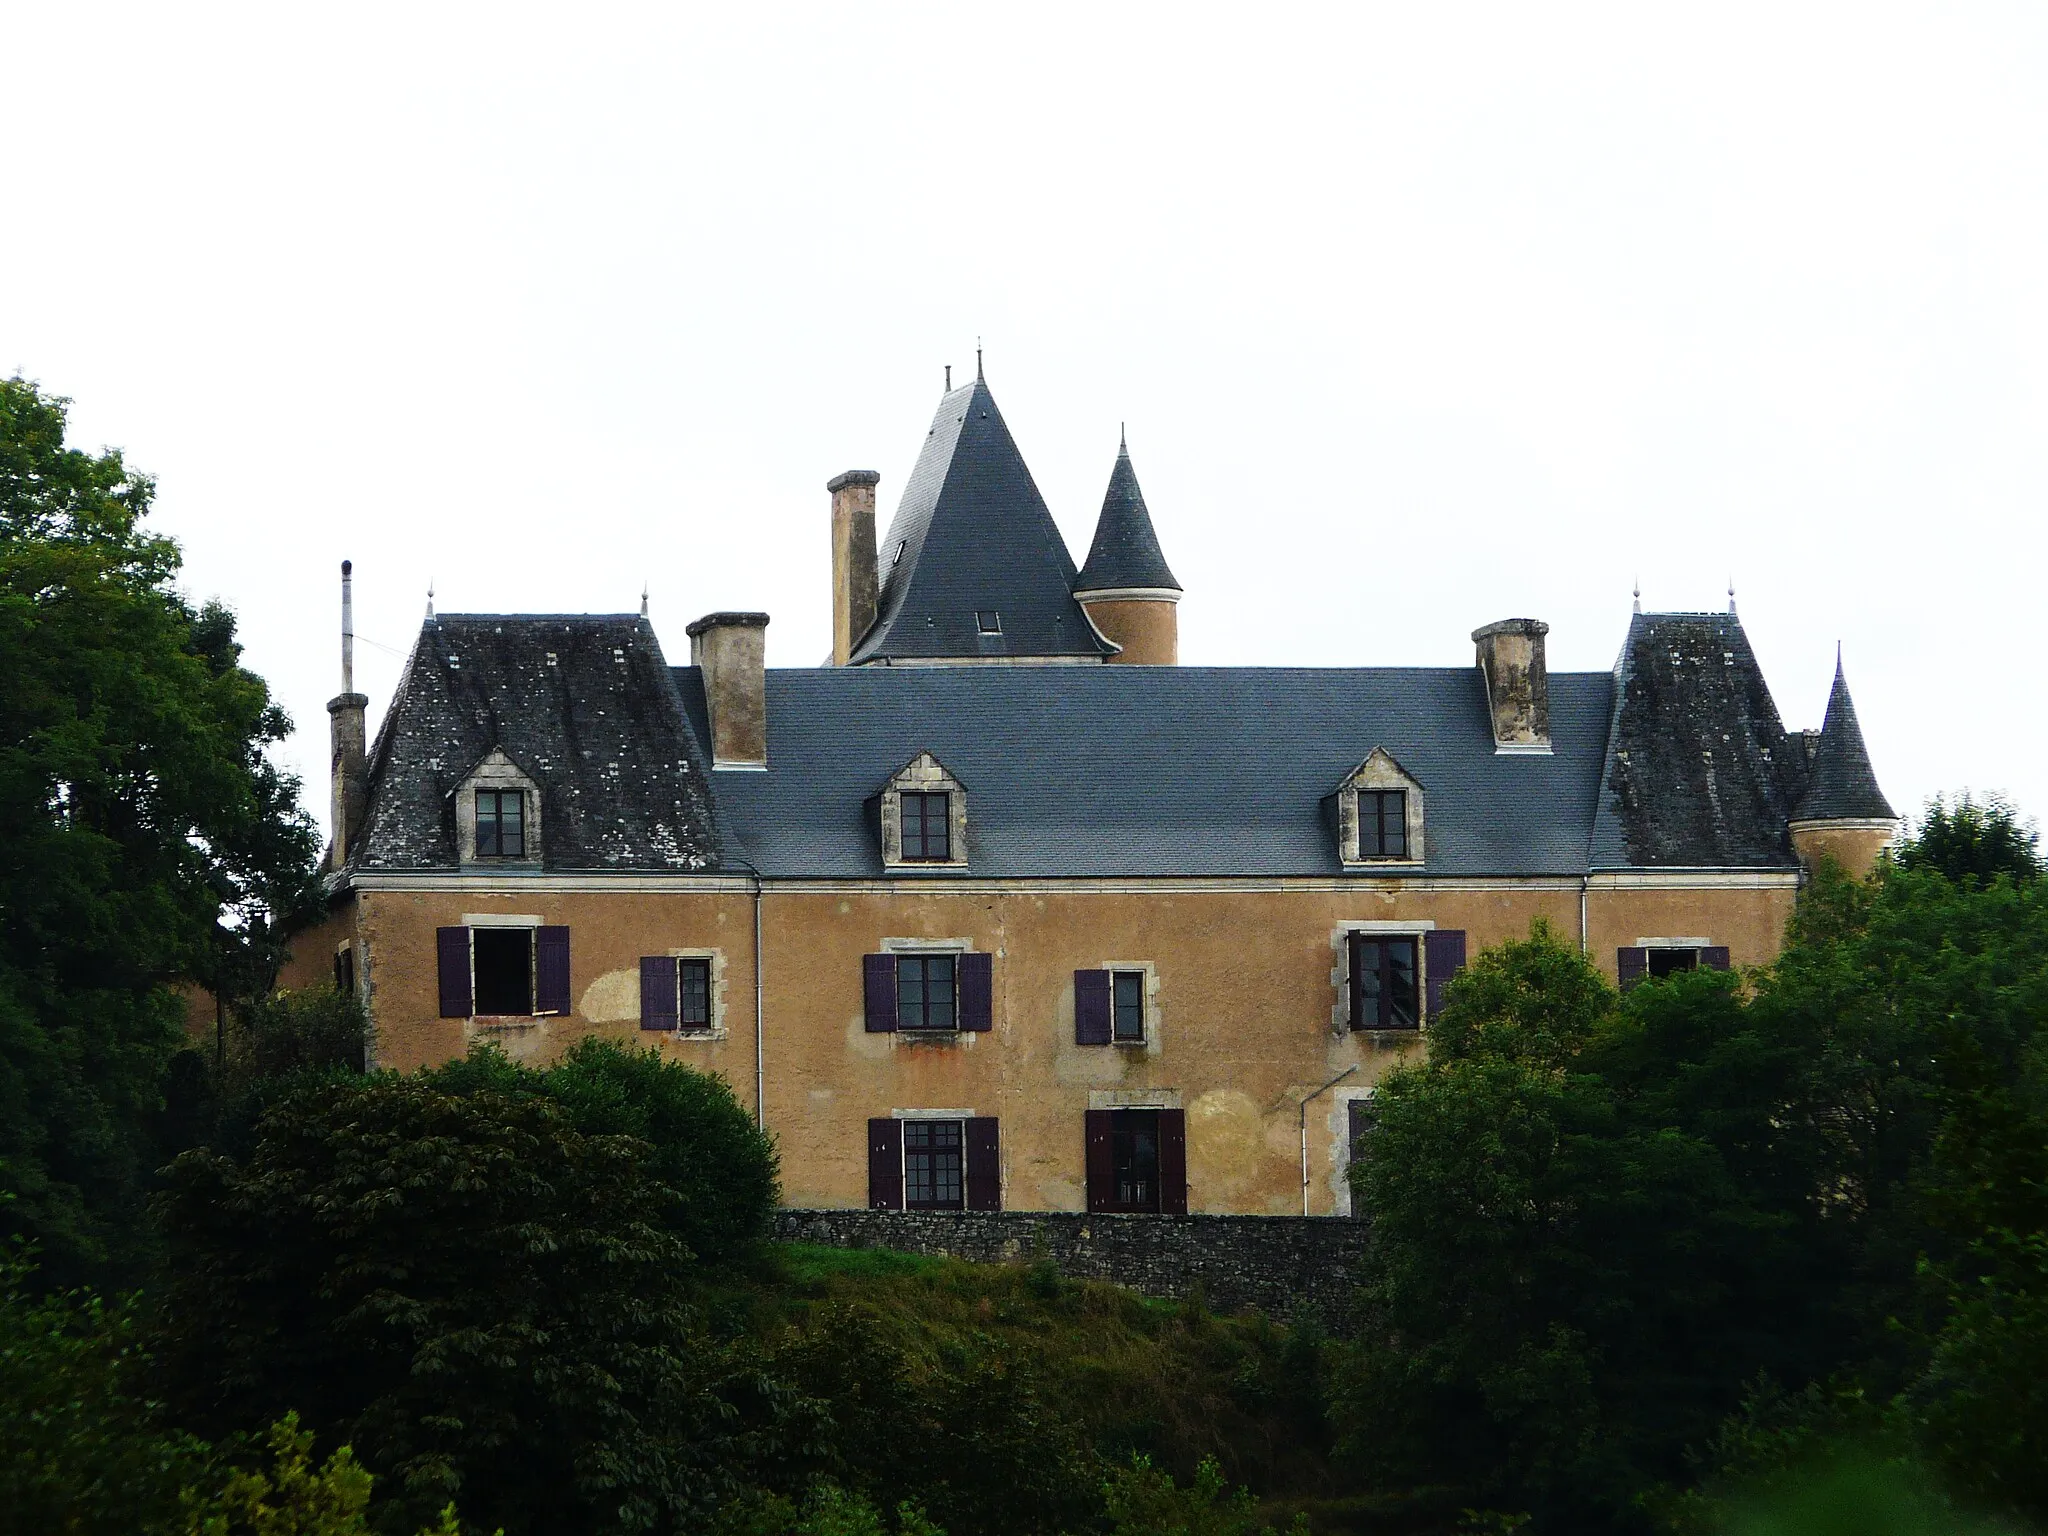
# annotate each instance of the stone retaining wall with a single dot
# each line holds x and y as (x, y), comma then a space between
(1286, 1266)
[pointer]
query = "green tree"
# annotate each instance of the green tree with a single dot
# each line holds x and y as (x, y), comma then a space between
(487, 1303)
(1974, 842)
(144, 834)
(1143, 1500)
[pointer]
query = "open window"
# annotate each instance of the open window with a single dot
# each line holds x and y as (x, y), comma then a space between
(934, 1161)
(921, 814)
(1379, 820)
(503, 969)
(1393, 977)
(498, 814)
(1656, 959)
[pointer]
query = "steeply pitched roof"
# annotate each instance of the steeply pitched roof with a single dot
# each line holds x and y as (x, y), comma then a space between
(585, 704)
(1125, 554)
(1842, 786)
(1699, 774)
(1217, 772)
(972, 535)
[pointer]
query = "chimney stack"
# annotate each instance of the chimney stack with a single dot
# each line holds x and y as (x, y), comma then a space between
(348, 764)
(856, 584)
(731, 651)
(1510, 656)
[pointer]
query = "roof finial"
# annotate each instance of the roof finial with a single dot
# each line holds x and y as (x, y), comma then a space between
(949, 378)
(430, 597)
(977, 360)
(1123, 441)
(1639, 594)
(1731, 596)
(643, 599)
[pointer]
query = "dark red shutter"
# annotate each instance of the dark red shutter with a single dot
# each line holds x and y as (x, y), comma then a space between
(977, 991)
(1173, 1162)
(878, 979)
(551, 970)
(885, 1165)
(658, 1006)
(1091, 1007)
(1715, 957)
(1631, 966)
(1100, 1161)
(452, 945)
(984, 1165)
(1443, 956)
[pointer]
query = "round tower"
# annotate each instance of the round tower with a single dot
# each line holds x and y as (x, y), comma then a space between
(1842, 815)
(1126, 589)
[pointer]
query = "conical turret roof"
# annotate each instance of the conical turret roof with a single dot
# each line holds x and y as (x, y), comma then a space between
(972, 537)
(1842, 785)
(1125, 555)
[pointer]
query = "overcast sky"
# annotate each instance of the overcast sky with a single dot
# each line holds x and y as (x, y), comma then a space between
(1420, 317)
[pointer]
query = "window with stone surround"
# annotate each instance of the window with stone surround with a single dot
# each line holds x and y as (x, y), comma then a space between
(921, 816)
(1379, 817)
(498, 814)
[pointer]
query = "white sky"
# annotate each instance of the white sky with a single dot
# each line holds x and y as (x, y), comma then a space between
(1421, 316)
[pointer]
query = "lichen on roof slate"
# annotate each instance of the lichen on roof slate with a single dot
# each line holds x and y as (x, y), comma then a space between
(1700, 773)
(1842, 785)
(585, 705)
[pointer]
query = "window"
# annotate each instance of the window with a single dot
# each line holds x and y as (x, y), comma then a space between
(693, 981)
(345, 971)
(1659, 958)
(934, 1165)
(1134, 1159)
(927, 828)
(988, 622)
(1384, 994)
(501, 824)
(1127, 1023)
(925, 992)
(675, 992)
(1383, 824)
(1361, 1117)
(504, 971)
(1669, 962)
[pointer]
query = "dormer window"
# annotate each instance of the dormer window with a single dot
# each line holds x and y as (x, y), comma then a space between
(501, 823)
(498, 814)
(927, 827)
(921, 816)
(1378, 814)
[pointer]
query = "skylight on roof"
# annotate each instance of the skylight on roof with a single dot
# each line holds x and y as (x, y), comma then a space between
(988, 621)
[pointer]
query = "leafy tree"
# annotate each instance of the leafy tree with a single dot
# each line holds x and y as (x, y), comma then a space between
(1973, 842)
(827, 1510)
(1142, 1500)
(295, 1498)
(144, 834)
(486, 1302)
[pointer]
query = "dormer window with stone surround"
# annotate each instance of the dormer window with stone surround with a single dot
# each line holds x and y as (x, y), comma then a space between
(497, 814)
(1379, 814)
(923, 817)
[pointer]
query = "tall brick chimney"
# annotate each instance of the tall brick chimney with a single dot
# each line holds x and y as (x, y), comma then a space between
(731, 650)
(855, 581)
(348, 713)
(1510, 656)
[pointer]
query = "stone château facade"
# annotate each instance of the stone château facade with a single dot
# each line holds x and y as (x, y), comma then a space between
(982, 915)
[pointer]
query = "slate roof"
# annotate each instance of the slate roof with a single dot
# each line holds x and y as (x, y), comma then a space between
(1159, 771)
(1699, 771)
(1126, 552)
(585, 705)
(972, 534)
(1842, 786)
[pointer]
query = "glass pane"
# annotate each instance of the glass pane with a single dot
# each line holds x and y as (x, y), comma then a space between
(1134, 1159)
(936, 837)
(939, 991)
(1130, 1005)
(911, 815)
(1394, 824)
(486, 822)
(696, 994)
(1369, 959)
(1402, 1012)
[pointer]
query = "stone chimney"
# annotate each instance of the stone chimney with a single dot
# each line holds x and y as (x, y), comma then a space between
(348, 714)
(1510, 656)
(731, 650)
(856, 583)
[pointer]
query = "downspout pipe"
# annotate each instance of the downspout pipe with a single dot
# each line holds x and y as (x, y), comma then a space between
(1333, 1082)
(760, 1055)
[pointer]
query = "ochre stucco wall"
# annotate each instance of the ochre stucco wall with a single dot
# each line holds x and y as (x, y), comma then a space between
(1147, 629)
(1245, 989)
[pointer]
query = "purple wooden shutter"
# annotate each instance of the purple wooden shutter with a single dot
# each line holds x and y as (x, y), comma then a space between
(1354, 1002)
(1100, 1164)
(452, 947)
(1630, 966)
(984, 1165)
(1443, 956)
(658, 1007)
(878, 979)
(977, 991)
(1173, 1162)
(551, 970)
(885, 1165)
(1091, 1007)
(1715, 957)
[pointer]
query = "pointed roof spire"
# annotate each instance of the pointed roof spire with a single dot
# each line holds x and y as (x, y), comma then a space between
(1841, 785)
(972, 546)
(1125, 555)
(643, 599)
